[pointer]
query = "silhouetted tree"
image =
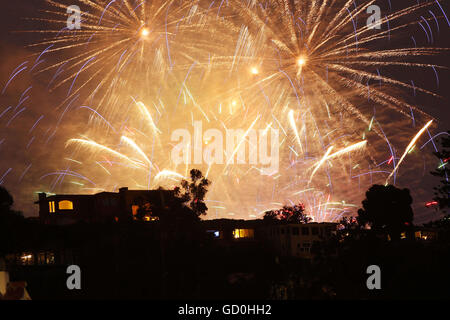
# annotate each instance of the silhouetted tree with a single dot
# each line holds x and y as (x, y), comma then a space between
(387, 209)
(291, 214)
(6, 201)
(347, 226)
(9, 220)
(167, 211)
(271, 215)
(442, 194)
(193, 192)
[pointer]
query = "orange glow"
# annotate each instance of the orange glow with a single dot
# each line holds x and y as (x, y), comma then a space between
(301, 61)
(65, 205)
(243, 233)
(145, 32)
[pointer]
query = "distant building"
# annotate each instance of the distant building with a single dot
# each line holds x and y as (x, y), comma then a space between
(289, 240)
(423, 233)
(104, 206)
(230, 231)
(296, 240)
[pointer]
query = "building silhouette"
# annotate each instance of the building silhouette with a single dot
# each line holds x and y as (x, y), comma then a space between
(100, 207)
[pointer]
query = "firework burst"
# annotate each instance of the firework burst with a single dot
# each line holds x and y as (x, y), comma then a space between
(313, 70)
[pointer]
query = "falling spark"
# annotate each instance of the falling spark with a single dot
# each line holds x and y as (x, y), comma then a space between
(409, 147)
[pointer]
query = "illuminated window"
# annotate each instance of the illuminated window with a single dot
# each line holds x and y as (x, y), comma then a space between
(51, 206)
(50, 258)
(148, 217)
(215, 233)
(46, 258)
(243, 233)
(65, 205)
(27, 259)
(134, 209)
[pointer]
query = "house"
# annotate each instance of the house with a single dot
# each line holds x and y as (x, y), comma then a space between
(64, 209)
(423, 233)
(293, 239)
(296, 240)
(232, 230)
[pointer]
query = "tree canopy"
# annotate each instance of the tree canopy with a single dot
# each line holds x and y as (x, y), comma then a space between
(9, 219)
(387, 209)
(6, 200)
(442, 192)
(193, 192)
(291, 214)
(185, 203)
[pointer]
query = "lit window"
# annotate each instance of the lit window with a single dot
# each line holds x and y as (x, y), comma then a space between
(214, 233)
(134, 209)
(243, 233)
(45, 258)
(51, 206)
(150, 218)
(50, 258)
(65, 205)
(27, 259)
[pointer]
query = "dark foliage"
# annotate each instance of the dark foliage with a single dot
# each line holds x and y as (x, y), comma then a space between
(442, 192)
(185, 204)
(193, 192)
(10, 219)
(387, 209)
(290, 214)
